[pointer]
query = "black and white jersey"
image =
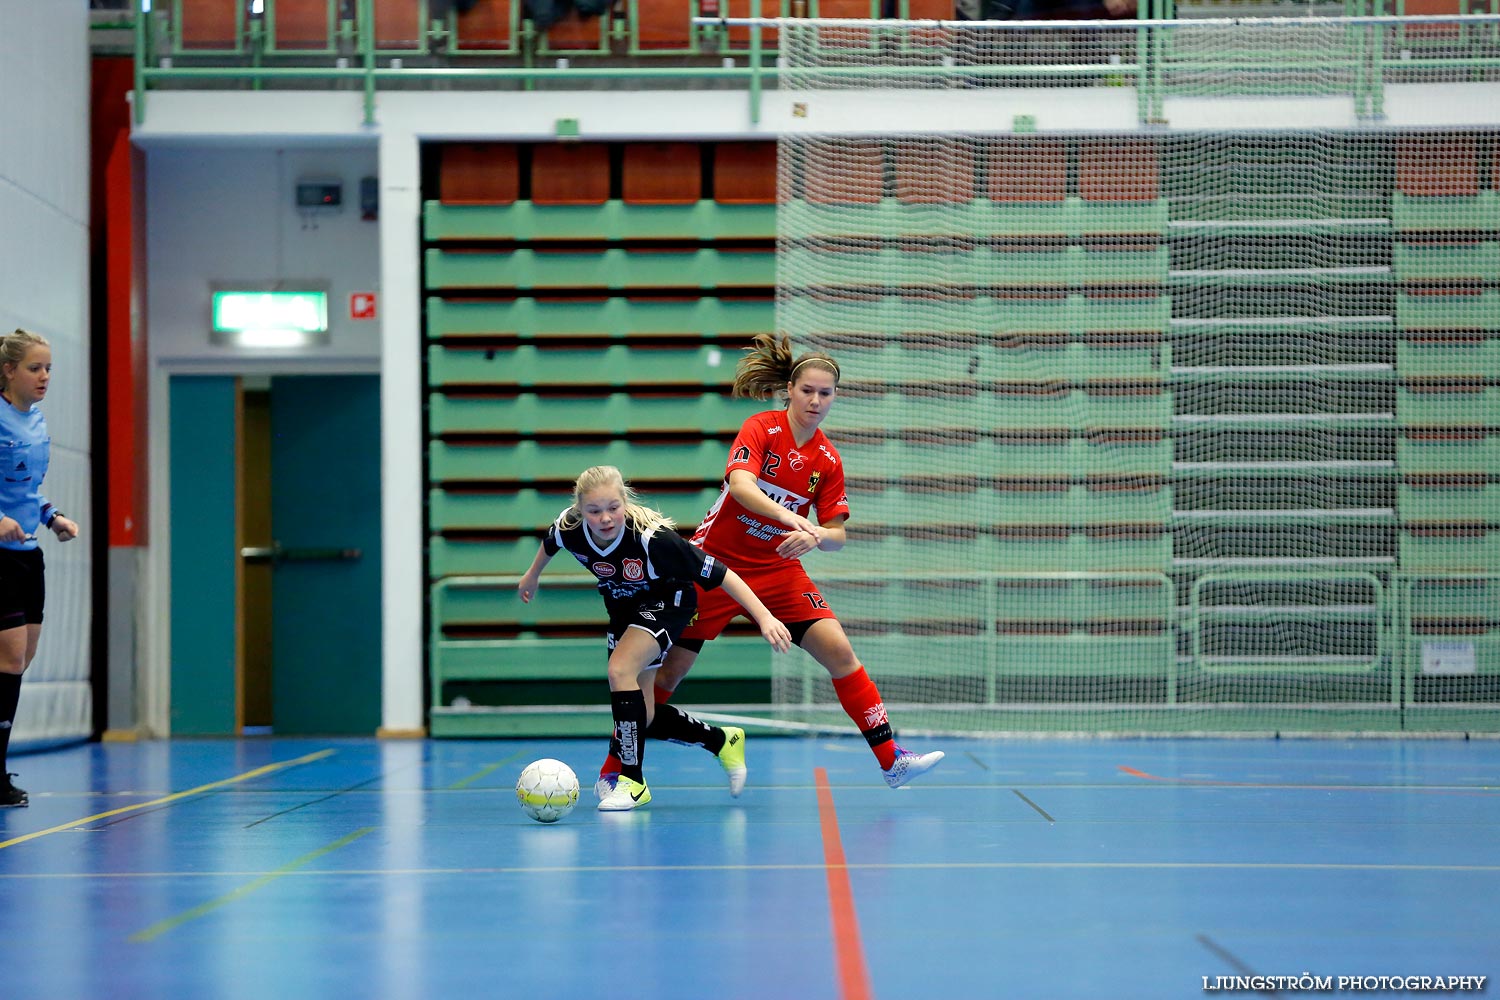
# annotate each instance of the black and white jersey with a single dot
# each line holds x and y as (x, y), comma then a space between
(638, 567)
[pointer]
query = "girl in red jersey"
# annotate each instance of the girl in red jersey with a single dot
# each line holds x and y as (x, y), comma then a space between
(781, 468)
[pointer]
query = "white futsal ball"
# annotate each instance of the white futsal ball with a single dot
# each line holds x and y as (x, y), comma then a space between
(547, 790)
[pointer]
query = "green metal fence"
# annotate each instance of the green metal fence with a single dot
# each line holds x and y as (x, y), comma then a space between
(1359, 54)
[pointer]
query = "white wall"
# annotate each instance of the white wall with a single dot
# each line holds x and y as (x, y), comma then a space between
(225, 212)
(44, 230)
(228, 214)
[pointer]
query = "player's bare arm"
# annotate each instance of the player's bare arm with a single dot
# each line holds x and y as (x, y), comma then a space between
(742, 487)
(832, 536)
(828, 536)
(532, 577)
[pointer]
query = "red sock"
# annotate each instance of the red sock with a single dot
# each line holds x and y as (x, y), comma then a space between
(662, 694)
(861, 700)
(611, 763)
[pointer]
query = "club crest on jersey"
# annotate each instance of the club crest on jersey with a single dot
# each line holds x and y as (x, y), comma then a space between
(602, 570)
(812, 482)
(634, 569)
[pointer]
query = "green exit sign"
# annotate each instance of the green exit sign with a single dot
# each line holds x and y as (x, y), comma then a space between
(270, 318)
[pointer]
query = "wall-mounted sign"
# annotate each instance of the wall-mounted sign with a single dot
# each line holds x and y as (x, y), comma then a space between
(271, 318)
(362, 305)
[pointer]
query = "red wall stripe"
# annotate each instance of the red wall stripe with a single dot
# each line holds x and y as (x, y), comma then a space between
(126, 461)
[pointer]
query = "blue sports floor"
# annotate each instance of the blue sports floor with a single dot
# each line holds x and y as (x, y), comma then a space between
(282, 869)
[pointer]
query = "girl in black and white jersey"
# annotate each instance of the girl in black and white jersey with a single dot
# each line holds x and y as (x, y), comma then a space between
(646, 574)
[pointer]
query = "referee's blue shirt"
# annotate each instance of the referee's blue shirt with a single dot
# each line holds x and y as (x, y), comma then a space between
(25, 450)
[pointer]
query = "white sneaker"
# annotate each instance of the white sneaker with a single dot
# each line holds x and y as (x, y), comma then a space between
(626, 794)
(605, 784)
(732, 758)
(909, 765)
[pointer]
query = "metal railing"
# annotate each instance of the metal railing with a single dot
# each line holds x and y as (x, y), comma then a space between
(354, 55)
(1356, 56)
(1398, 627)
(1469, 629)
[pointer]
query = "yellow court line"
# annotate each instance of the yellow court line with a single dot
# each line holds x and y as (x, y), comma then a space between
(466, 782)
(156, 930)
(258, 772)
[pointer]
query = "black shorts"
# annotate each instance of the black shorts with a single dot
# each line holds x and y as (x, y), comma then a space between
(664, 620)
(798, 630)
(23, 587)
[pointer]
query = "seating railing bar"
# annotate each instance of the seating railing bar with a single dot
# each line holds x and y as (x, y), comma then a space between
(1374, 53)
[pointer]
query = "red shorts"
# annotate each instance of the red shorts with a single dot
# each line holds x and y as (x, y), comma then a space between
(787, 591)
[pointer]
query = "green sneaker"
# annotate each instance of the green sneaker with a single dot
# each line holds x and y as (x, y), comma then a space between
(627, 794)
(732, 759)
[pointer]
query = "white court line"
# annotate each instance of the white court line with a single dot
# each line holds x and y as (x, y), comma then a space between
(861, 866)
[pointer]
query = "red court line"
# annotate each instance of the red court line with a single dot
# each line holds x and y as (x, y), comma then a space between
(854, 978)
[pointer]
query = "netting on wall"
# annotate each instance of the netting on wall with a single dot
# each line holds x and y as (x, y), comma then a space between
(1363, 56)
(1187, 432)
(850, 56)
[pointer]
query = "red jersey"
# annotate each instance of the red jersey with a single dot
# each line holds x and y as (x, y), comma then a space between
(799, 479)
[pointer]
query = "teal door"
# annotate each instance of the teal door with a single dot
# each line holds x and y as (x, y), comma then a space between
(325, 578)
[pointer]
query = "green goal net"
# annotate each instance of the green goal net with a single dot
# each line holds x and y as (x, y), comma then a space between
(1147, 431)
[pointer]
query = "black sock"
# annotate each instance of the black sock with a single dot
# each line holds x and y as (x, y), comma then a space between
(676, 726)
(629, 708)
(10, 695)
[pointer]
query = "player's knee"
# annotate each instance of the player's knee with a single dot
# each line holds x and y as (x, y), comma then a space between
(13, 657)
(622, 670)
(839, 659)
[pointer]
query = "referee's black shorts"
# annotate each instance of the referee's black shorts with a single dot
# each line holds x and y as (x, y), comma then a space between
(23, 587)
